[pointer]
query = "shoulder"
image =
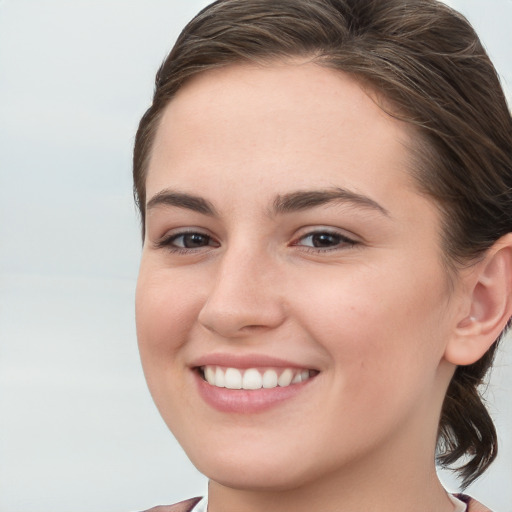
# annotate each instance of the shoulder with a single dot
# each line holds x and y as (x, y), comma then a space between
(182, 506)
(473, 505)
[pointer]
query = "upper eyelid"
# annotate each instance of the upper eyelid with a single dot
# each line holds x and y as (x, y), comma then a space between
(185, 231)
(344, 240)
(310, 230)
(326, 232)
(173, 234)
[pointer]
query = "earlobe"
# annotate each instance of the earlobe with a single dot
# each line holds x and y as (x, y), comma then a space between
(490, 305)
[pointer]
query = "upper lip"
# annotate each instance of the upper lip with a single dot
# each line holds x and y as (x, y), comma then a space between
(246, 361)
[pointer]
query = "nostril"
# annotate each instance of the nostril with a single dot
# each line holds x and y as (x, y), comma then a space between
(254, 327)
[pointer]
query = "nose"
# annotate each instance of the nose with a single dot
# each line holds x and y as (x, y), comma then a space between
(244, 295)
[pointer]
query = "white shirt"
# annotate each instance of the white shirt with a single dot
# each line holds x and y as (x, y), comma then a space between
(202, 506)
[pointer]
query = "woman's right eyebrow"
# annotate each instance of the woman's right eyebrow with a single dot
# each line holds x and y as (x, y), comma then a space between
(168, 197)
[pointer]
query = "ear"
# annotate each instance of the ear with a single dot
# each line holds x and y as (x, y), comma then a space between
(489, 308)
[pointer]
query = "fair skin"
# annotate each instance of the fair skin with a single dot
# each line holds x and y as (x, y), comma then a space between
(241, 269)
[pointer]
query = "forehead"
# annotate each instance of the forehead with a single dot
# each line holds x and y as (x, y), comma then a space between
(284, 121)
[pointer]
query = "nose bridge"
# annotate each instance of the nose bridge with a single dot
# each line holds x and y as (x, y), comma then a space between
(243, 295)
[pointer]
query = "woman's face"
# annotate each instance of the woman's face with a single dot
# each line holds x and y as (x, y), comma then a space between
(286, 240)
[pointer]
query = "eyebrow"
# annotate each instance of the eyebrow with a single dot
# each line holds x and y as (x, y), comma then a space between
(282, 204)
(303, 200)
(169, 197)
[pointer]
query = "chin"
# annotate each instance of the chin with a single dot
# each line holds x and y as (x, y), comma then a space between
(252, 477)
(240, 461)
(258, 468)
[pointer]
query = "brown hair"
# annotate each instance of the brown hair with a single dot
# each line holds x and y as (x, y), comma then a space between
(427, 61)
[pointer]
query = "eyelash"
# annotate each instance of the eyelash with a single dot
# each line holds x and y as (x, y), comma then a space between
(167, 242)
(342, 241)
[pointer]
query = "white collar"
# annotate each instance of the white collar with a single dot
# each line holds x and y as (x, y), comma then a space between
(202, 506)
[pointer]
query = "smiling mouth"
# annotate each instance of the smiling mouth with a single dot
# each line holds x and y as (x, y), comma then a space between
(254, 378)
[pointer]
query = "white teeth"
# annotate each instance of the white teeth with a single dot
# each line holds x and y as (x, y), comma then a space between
(270, 379)
(209, 374)
(219, 378)
(297, 379)
(285, 378)
(252, 378)
(233, 378)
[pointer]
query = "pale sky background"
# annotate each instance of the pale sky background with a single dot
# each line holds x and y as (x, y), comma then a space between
(78, 430)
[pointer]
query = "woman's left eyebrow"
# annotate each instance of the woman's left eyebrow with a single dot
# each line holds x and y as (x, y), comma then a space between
(304, 199)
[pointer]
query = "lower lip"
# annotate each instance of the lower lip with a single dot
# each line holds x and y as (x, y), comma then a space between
(245, 401)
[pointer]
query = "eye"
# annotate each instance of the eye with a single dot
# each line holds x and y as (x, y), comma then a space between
(187, 241)
(324, 240)
(191, 240)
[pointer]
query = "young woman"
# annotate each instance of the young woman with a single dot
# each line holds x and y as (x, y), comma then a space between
(326, 195)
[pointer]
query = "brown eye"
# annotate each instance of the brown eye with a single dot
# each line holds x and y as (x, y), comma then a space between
(325, 240)
(191, 240)
(187, 241)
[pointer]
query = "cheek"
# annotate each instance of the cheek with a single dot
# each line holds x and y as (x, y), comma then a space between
(384, 355)
(165, 308)
(380, 327)
(165, 313)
